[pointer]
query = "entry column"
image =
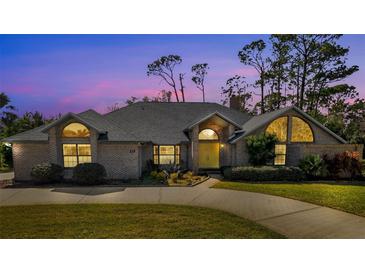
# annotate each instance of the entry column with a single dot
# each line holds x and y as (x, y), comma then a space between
(195, 149)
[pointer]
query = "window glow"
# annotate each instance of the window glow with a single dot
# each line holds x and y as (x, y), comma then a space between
(280, 155)
(166, 155)
(74, 154)
(279, 127)
(208, 134)
(75, 130)
(301, 131)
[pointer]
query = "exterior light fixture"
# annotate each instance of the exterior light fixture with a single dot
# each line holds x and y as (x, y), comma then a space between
(222, 145)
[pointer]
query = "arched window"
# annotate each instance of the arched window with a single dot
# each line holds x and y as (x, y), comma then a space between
(301, 131)
(279, 127)
(75, 130)
(208, 134)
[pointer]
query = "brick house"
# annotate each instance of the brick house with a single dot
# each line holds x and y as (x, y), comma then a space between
(193, 135)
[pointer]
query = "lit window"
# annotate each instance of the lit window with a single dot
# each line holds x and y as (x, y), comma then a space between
(279, 127)
(75, 130)
(208, 134)
(280, 155)
(301, 131)
(74, 154)
(166, 155)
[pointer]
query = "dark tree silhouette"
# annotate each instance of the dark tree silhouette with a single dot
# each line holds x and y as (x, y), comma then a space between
(237, 86)
(200, 71)
(164, 68)
(253, 55)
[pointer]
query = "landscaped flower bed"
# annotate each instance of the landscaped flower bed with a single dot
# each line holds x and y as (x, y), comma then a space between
(177, 178)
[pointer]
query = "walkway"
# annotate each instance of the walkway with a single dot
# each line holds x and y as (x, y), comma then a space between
(289, 217)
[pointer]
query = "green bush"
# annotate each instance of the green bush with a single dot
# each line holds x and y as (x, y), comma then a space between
(47, 173)
(313, 166)
(6, 156)
(264, 173)
(343, 166)
(89, 173)
(260, 148)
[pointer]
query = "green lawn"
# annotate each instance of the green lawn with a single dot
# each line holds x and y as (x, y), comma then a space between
(125, 221)
(344, 197)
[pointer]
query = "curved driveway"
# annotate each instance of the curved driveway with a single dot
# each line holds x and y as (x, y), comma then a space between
(289, 217)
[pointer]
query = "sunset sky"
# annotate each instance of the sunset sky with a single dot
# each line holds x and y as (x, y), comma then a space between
(61, 73)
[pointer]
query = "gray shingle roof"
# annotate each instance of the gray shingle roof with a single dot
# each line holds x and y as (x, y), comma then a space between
(162, 123)
(114, 132)
(31, 135)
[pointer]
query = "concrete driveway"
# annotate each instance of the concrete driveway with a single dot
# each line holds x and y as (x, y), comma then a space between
(289, 217)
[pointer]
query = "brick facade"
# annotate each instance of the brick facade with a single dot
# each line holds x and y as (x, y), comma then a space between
(129, 160)
(121, 161)
(25, 156)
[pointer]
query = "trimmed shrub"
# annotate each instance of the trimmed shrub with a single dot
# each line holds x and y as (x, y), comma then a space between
(260, 148)
(343, 166)
(264, 173)
(47, 173)
(313, 166)
(89, 173)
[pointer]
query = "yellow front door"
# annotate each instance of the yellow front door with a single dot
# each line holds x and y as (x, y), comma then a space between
(209, 155)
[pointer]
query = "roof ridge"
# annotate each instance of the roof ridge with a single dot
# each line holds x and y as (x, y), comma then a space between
(90, 109)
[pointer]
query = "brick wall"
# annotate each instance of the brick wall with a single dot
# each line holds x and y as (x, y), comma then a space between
(25, 156)
(241, 154)
(295, 152)
(331, 149)
(121, 161)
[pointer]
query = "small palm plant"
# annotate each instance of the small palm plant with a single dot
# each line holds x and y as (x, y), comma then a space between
(313, 166)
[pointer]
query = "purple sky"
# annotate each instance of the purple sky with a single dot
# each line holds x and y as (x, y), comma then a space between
(60, 73)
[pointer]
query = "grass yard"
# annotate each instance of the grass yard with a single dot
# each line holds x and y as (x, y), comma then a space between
(343, 197)
(125, 221)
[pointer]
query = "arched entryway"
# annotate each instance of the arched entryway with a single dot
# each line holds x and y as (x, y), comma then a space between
(208, 149)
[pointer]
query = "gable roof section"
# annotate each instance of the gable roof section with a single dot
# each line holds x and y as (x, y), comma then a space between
(206, 117)
(84, 119)
(258, 121)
